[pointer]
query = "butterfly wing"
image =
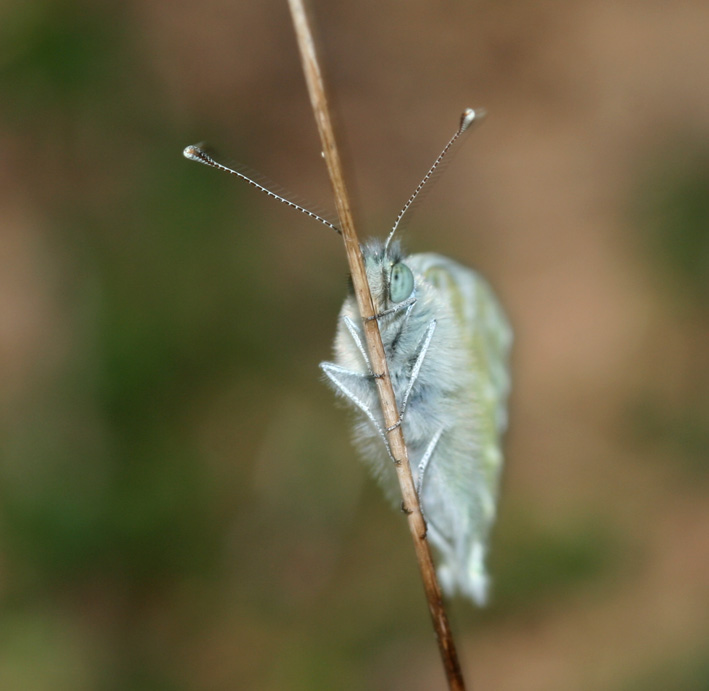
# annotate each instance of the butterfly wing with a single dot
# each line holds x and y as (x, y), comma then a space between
(485, 337)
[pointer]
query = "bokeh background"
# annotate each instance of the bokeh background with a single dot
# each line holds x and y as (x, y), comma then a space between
(180, 508)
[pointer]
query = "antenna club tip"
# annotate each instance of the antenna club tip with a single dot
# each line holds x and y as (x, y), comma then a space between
(191, 152)
(470, 116)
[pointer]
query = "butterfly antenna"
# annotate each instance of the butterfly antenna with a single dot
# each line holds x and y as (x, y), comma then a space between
(198, 153)
(466, 120)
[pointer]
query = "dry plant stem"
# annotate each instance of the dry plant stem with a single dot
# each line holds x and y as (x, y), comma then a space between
(410, 505)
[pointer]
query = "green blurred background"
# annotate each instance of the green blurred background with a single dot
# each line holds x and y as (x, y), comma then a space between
(180, 507)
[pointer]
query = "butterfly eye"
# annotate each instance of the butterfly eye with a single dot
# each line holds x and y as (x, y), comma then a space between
(401, 283)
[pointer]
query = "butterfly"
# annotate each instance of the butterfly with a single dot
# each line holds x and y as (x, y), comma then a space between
(447, 342)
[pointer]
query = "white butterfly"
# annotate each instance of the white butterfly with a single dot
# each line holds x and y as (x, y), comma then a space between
(447, 343)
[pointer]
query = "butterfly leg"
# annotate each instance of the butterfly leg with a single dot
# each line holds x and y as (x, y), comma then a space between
(407, 305)
(446, 567)
(356, 337)
(423, 464)
(423, 347)
(346, 382)
(425, 459)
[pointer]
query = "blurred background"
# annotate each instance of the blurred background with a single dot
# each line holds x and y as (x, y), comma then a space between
(180, 507)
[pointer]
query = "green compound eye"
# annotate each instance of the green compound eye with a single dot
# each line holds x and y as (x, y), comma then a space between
(401, 283)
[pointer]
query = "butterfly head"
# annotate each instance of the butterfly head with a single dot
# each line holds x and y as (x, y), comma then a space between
(390, 278)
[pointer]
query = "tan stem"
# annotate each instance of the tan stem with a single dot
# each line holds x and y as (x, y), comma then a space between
(417, 525)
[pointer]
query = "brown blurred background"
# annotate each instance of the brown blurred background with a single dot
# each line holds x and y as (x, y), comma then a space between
(180, 507)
